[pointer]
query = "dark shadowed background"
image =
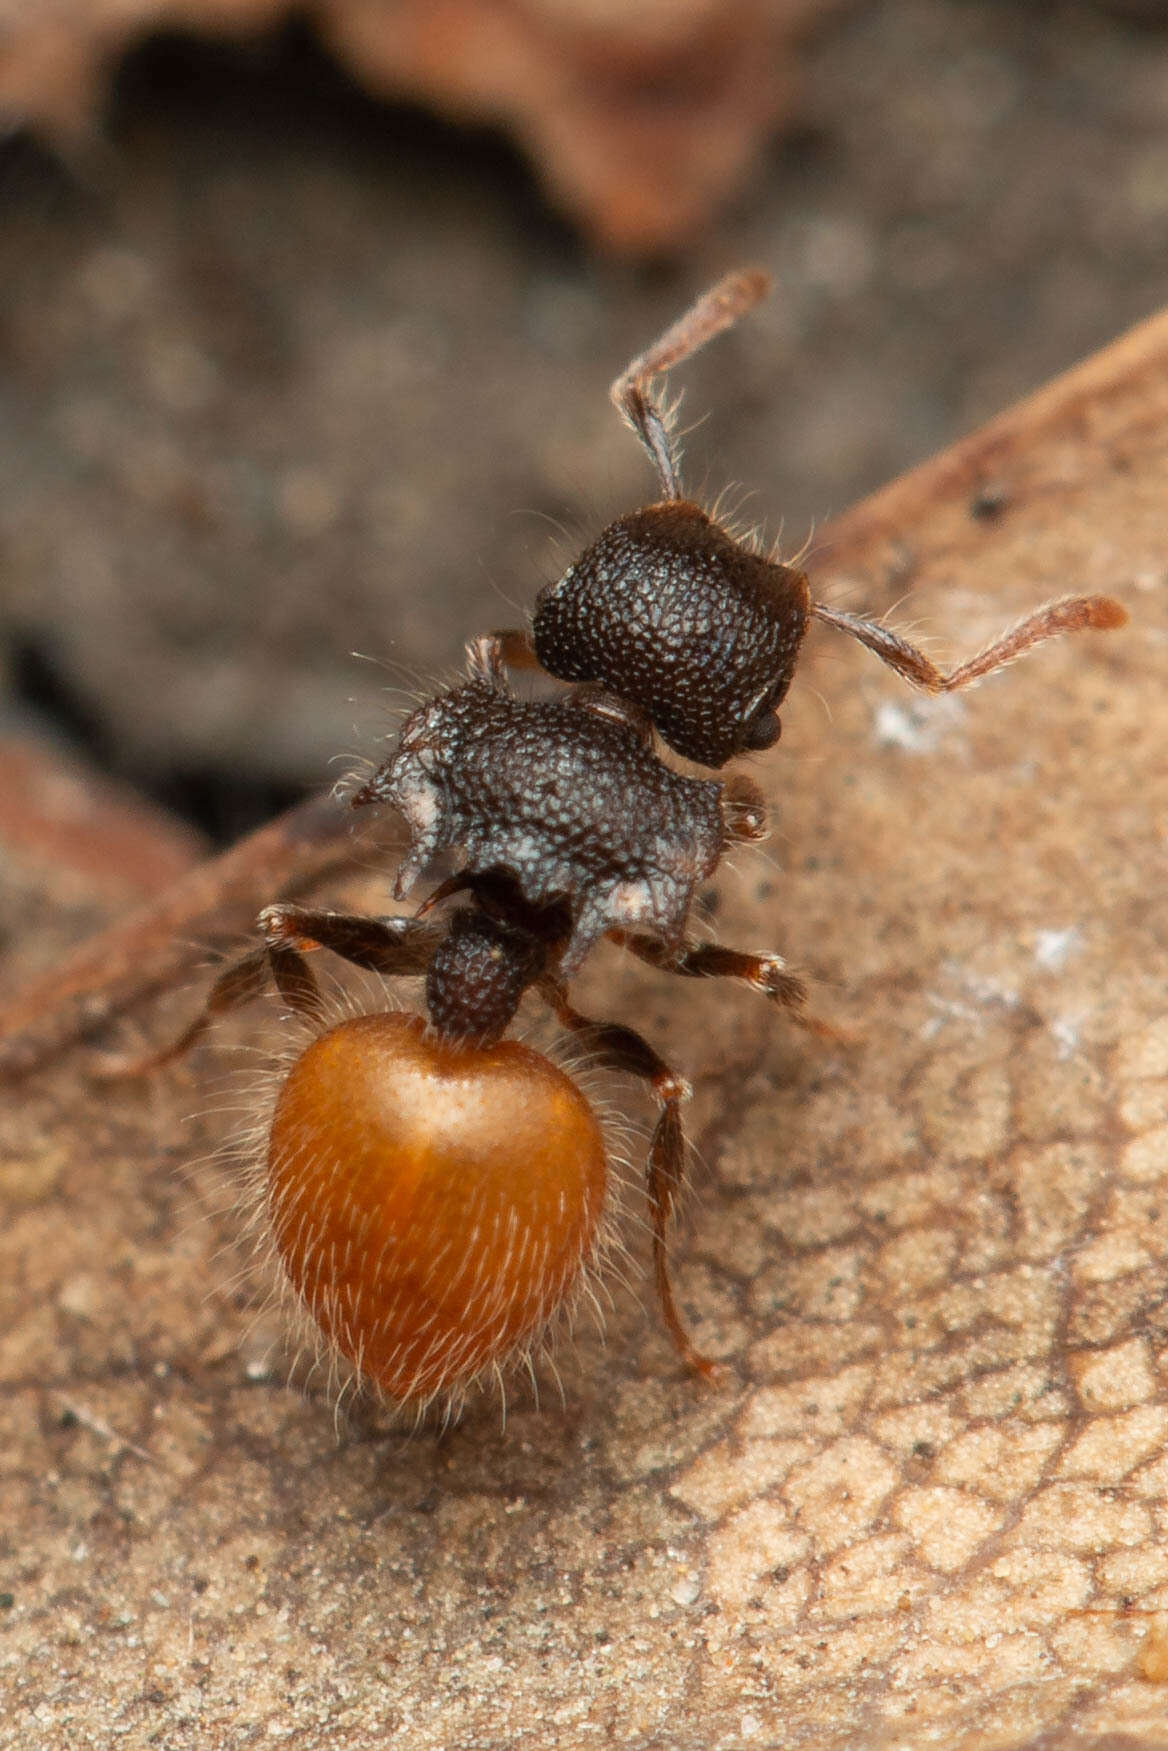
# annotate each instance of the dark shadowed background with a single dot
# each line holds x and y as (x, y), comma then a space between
(290, 373)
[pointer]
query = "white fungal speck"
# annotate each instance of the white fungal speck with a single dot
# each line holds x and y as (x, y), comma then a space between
(966, 1000)
(918, 726)
(1054, 948)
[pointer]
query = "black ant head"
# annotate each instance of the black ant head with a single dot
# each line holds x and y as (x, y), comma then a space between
(670, 612)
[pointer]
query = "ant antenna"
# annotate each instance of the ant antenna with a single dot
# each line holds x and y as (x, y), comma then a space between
(1069, 614)
(720, 308)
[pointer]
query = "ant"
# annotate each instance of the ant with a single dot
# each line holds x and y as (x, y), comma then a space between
(437, 1191)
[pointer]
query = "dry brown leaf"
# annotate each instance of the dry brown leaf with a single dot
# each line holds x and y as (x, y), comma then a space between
(931, 1510)
(56, 54)
(641, 120)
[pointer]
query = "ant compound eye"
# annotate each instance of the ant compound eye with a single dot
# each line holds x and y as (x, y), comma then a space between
(764, 732)
(433, 1206)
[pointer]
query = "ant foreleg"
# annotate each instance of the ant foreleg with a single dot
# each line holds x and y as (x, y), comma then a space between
(1069, 614)
(388, 946)
(620, 1048)
(720, 308)
(507, 648)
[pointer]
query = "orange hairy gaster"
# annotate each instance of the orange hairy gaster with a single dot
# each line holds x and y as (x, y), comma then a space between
(432, 1204)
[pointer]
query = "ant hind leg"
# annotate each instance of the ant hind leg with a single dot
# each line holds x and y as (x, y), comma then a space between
(620, 1048)
(236, 985)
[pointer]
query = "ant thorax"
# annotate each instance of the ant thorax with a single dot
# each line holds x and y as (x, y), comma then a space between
(562, 795)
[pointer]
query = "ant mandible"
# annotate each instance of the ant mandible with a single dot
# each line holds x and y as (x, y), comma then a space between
(436, 1191)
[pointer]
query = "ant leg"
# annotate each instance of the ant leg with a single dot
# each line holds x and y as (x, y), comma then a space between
(491, 654)
(765, 973)
(508, 647)
(719, 309)
(621, 1049)
(458, 883)
(1070, 614)
(387, 946)
(234, 987)
(744, 809)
